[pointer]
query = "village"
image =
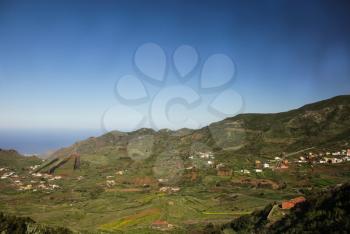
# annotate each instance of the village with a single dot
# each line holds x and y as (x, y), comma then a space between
(33, 182)
(197, 161)
(206, 160)
(278, 163)
(194, 164)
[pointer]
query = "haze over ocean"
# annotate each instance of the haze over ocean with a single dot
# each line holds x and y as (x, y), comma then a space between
(42, 141)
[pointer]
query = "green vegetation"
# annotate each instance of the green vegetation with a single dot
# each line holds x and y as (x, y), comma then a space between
(12, 159)
(24, 225)
(124, 181)
(323, 212)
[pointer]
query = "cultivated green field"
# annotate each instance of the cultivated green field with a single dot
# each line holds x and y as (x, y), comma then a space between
(88, 205)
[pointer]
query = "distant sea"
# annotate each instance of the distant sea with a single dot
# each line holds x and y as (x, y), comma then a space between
(42, 141)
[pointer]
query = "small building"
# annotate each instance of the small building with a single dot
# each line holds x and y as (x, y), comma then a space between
(266, 165)
(37, 175)
(54, 186)
(110, 183)
(119, 173)
(162, 180)
(291, 203)
(223, 170)
(258, 170)
(175, 189)
(333, 160)
(284, 164)
(245, 171)
(164, 189)
(258, 164)
(27, 187)
(167, 189)
(161, 225)
(192, 173)
(287, 205)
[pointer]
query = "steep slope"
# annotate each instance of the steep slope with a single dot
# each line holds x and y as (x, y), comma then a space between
(311, 125)
(320, 124)
(325, 212)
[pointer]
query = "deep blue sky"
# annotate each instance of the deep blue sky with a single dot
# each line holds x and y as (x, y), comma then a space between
(59, 60)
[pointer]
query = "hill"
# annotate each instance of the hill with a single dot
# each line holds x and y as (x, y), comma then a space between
(320, 125)
(150, 181)
(12, 159)
(323, 212)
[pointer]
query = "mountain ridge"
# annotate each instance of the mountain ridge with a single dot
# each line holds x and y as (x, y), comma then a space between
(315, 124)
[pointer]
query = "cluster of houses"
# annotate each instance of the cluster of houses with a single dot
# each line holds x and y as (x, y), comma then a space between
(326, 157)
(35, 181)
(161, 225)
(314, 158)
(45, 182)
(110, 182)
(278, 163)
(34, 168)
(7, 173)
(35, 186)
(168, 189)
(208, 157)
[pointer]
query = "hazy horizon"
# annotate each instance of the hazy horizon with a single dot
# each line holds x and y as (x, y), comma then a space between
(41, 141)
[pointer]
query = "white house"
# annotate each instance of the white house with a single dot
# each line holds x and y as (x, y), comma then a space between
(245, 171)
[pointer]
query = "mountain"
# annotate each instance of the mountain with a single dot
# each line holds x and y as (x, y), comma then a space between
(12, 159)
(162, 181)
(319, 125)
(323, 212)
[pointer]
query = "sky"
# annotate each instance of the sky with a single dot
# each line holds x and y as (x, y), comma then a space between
(63, 63)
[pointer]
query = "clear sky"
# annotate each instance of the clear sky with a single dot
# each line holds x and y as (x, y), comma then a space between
(60, 60)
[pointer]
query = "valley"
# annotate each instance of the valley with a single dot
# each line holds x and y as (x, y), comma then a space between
(180, 181)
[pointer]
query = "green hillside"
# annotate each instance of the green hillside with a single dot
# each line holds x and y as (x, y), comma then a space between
(323, 212)
(12, 159)
(166, 181)
(24, 225)
(319, 125)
